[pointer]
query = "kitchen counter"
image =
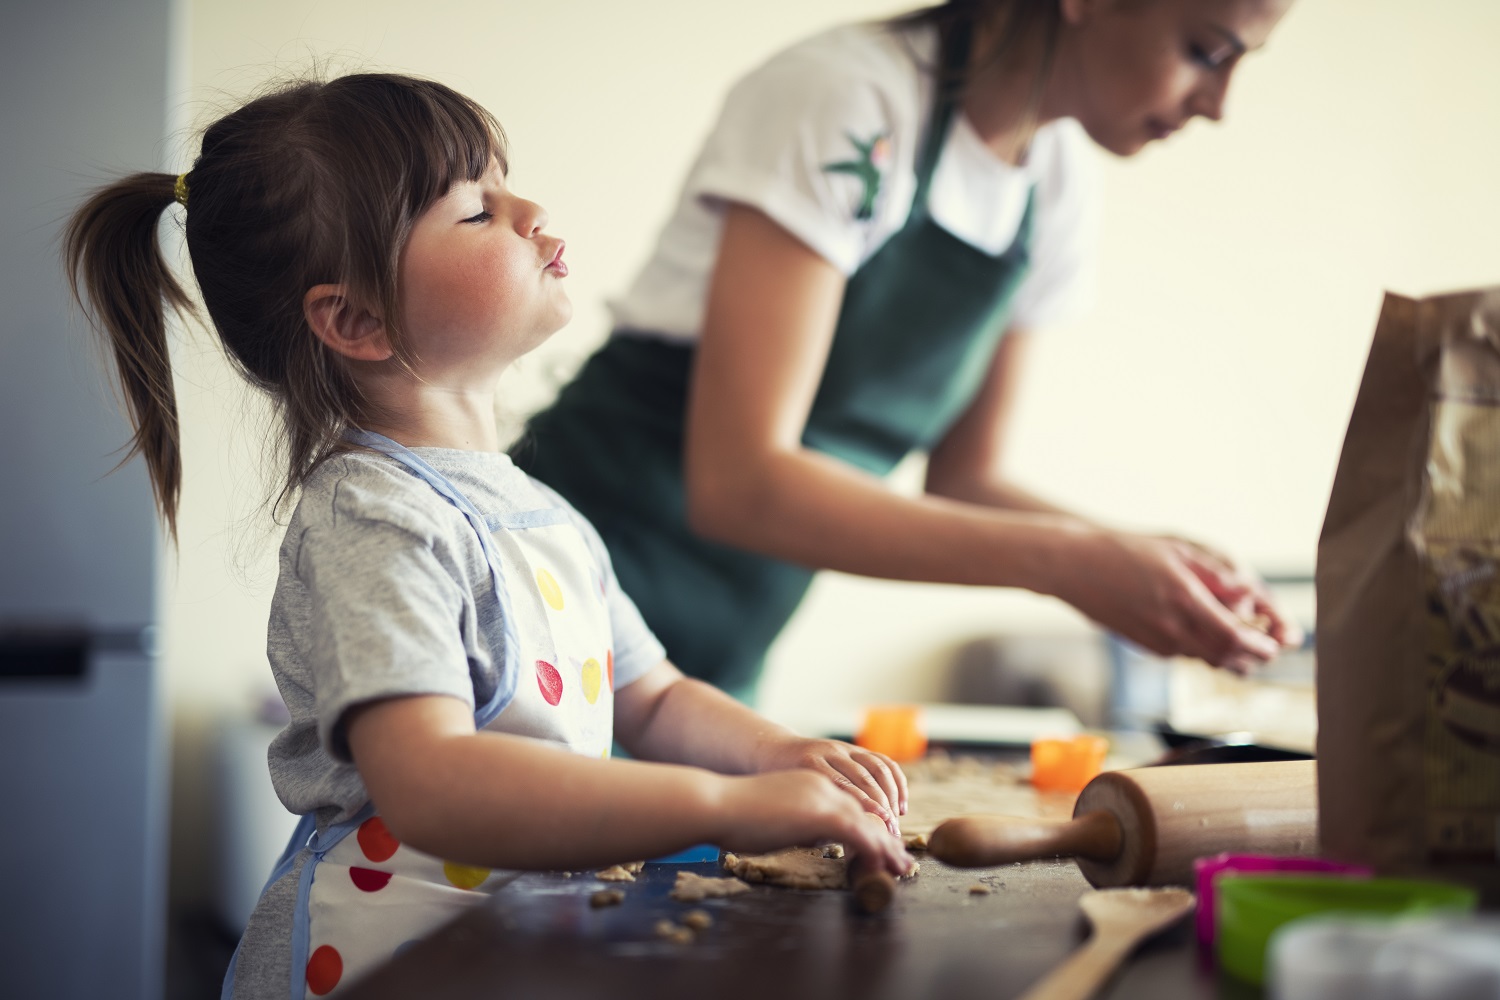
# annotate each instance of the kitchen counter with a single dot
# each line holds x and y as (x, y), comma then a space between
(539, 937)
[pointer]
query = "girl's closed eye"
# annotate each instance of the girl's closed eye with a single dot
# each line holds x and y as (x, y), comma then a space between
(482, 216)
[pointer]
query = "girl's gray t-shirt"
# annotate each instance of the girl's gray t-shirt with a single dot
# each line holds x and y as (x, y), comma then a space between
(385, 590)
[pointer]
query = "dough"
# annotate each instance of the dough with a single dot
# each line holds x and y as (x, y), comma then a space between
(979, 889)
(795, 868)
(940, 787)
(616, 873)
(674, 933)
(692, 888)
(606, 897)
(698, 920)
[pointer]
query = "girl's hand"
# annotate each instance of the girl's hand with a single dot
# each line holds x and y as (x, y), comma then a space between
(766, 812)
(1173, 598)
(873, 779)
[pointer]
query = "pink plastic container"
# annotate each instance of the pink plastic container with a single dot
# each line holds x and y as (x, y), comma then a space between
(1206, 869)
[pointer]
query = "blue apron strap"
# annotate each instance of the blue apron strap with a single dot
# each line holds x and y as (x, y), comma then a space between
(306, 832)
(510, 670)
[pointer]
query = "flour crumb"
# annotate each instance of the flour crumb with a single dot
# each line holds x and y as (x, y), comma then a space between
(615, 873)
(674, 933)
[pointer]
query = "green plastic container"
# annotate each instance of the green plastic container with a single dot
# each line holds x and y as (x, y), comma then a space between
(1250, 907)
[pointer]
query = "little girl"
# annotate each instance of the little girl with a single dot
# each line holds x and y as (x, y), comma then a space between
(448, 634)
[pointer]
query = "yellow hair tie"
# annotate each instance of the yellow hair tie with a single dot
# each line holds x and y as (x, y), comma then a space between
(180, 190)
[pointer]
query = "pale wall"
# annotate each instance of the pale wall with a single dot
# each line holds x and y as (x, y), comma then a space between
(1206, 393)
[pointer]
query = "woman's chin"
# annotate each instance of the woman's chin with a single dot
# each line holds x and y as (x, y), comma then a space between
(1120, 142)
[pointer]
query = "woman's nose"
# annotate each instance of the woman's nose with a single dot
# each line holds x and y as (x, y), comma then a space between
(1208, 100)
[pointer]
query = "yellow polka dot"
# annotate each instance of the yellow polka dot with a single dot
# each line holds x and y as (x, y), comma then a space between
(604, 754)
(591, 675)
(551, 592)
(464, 876)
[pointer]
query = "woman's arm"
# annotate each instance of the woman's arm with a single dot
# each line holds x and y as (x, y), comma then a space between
(968, 464)
(773, 305)
(666, 716)
(772, 309)
(505, 801)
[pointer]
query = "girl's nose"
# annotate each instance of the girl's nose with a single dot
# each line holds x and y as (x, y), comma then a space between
(532, 218)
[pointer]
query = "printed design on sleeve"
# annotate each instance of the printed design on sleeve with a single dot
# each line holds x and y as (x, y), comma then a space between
(874, 156)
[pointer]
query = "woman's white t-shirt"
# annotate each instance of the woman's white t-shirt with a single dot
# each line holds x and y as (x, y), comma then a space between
(862, 95)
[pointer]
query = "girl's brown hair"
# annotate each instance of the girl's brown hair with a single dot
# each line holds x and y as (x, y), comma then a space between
(311, 183)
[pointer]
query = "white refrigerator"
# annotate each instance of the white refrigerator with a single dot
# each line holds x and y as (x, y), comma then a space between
(83, 734)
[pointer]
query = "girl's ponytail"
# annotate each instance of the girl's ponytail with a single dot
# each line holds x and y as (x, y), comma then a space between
(120, 278)
(310, 183)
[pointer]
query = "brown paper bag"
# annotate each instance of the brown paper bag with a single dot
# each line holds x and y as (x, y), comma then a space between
(1408, 590)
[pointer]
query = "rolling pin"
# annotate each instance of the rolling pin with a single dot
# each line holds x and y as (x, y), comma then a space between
(1145, 826)
(873, 888)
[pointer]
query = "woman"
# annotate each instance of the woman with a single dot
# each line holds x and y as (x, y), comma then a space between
(879, 219)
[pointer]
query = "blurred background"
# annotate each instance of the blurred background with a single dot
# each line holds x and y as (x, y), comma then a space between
(1206, 393)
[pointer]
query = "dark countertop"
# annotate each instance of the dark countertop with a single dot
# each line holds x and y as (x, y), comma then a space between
(538, 937)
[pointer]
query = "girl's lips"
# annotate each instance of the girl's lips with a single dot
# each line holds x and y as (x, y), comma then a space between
(556, 265)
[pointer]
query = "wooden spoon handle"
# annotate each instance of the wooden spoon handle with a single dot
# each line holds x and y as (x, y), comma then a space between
(986, 841)
(1080, 975)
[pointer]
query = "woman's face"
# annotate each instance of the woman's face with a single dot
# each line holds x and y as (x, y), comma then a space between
(1133, 71)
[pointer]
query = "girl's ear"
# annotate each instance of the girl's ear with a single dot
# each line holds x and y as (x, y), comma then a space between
(346, 328)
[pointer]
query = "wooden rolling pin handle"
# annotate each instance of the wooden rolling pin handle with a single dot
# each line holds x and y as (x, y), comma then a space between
(873, 889)
(986, 841)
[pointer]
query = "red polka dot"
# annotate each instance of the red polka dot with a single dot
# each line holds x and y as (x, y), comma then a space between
(369, 879)
(550, 681)
(609, 667)
(375, 840)
(324, 969)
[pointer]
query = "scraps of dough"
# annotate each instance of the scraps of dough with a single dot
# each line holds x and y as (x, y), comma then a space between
(940, 787)
(692, 888)
(620, 873)
(795, 868)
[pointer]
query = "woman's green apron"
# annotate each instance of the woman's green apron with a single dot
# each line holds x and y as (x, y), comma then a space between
(917, 330)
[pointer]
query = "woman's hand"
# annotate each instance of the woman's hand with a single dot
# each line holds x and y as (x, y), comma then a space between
(1174, 598)
(873, 779)
(765, 812)
(1241, 590)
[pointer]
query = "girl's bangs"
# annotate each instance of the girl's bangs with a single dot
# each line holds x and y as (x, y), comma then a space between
(456, 142)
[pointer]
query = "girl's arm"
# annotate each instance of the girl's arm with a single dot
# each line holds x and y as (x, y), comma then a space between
(773, 304)
(666, 716)
(505, 801)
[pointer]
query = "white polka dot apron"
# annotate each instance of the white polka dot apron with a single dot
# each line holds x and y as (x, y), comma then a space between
(363, 895)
